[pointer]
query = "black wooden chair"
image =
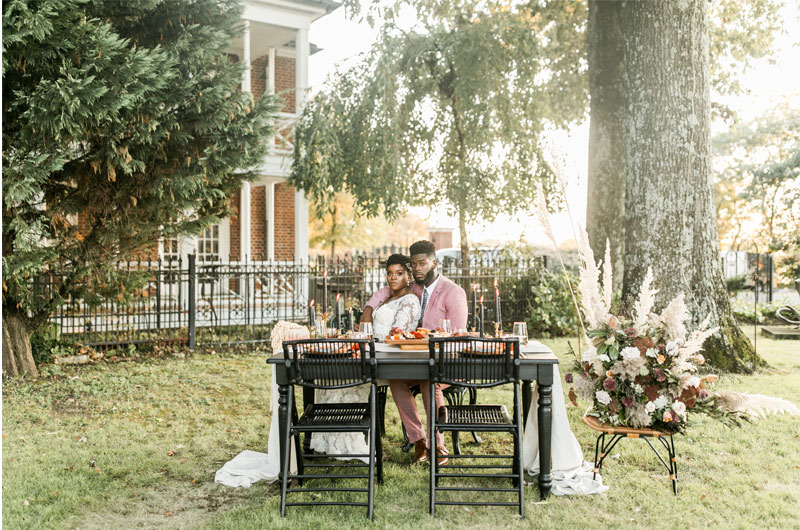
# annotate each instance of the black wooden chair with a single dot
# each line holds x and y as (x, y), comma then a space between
(331, 364)
(477, 363)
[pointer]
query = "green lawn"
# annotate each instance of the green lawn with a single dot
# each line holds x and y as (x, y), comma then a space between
(136, 445)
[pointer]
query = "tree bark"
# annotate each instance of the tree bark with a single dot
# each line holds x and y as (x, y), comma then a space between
(17, 354)
(462, 231)
(605, 207)
(669, 209)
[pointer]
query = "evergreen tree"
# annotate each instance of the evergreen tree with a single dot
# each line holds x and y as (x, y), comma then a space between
(127, 115)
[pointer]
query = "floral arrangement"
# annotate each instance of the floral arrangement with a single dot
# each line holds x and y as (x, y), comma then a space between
(642, 371)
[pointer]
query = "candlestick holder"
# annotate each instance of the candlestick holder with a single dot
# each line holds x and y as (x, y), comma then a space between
(498, 329)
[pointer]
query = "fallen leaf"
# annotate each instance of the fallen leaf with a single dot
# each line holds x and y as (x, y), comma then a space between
(167, 513)
(573, 398)
(170, 453)
(82, 439)
(5, 436)
(703, 496)
(98, 470)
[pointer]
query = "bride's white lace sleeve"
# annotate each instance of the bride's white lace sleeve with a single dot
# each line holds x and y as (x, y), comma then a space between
(407, 314)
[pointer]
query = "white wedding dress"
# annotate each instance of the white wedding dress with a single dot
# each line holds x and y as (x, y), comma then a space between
(401, 313)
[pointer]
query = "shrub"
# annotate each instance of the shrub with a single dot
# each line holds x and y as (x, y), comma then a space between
(551, 310)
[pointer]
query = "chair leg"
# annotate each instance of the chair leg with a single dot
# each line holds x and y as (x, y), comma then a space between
(382, 411)
(673, 459)
(596, 469)
(518, 448)
(287, 452)
(372, 429)
(473, 400)
(434, 460)
(299, 450)
(457, 398)
(379, 458)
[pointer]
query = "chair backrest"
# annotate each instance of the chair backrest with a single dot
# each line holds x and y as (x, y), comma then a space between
(330, 363)
(473, 361)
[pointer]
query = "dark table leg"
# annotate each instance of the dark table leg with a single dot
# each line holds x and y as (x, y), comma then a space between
(545, 419)
(283, 407)
(526, 401)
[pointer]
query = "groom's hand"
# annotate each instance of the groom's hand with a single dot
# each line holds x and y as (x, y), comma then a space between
(366, 316)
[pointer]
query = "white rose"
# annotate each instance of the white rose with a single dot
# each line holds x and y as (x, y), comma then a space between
(630, 353)
(651, 352)
(605, 358)
(693, 381)
(602, 397)
(650, 407)
(661, 402)
(679, 408)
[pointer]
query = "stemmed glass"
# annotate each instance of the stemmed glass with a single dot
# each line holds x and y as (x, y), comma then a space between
(366, 329)
(520, 330)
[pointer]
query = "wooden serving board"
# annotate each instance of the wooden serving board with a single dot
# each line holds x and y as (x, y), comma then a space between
(409, 344)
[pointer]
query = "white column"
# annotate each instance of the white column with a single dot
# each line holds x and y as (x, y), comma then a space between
(246, 57)
(300, 202)
(244, 222)
(300, 226)
(271, 72)
(269, 191)
(301, 68)
(244, 203)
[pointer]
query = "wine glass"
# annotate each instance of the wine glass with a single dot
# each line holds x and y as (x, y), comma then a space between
(366, 329)
(319, 329)
(520, 329)
(446, 327)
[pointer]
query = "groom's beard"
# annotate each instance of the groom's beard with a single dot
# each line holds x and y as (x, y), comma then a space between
(427, 279)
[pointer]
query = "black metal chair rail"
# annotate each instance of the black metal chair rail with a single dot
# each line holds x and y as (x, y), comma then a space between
(477, 363)
(331, 364)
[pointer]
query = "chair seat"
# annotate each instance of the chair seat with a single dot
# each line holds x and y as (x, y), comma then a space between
(473, 415)
(334, 416)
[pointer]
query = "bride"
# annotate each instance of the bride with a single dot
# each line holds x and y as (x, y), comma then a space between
(402, 311)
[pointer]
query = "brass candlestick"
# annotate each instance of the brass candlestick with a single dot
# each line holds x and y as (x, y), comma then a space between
(498, 329)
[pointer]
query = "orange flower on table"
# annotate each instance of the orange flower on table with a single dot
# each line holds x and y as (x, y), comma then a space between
(661, 359)
(667, 417)
(609, 374)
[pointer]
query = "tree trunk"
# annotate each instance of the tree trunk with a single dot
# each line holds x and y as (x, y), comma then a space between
(17, 355)
(669, 208)
(462, 231)
(605, 207)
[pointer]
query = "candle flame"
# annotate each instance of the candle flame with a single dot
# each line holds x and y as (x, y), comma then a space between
(481, 298)
(312, 303)
(496, 291)
(337, 296)
(324, 273)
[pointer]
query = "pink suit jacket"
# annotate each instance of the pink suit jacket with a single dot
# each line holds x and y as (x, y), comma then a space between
(448, 300)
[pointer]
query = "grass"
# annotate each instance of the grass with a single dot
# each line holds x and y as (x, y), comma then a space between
(136, 445)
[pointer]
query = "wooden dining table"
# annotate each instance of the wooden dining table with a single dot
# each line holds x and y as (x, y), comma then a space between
(535, 364)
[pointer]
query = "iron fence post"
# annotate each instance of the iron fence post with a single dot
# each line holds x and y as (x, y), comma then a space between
(192, 301)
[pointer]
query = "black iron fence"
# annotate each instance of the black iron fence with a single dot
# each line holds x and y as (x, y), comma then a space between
(202, 304)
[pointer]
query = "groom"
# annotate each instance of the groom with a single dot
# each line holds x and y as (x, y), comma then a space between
(441, 298)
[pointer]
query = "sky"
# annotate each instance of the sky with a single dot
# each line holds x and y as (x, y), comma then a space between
(342, 40)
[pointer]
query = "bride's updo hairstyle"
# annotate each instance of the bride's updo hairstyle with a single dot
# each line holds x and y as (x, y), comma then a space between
(399, 259)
